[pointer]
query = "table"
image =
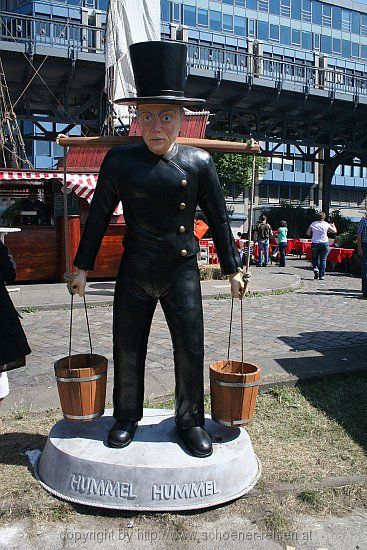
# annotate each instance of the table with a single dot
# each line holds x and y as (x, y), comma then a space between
(337, 256)
(4, 231)
(302, 246)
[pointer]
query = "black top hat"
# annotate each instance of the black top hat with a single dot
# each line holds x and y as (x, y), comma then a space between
(159, 70)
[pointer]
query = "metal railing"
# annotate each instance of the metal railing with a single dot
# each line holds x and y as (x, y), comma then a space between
(278, 71)
(33, 31)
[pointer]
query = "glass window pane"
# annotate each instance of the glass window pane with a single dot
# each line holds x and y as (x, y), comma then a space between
(337, 45)
(326, 44)
(176, 12)
(337, 18)
(229, 2)
(296, 37)
(346, 48)
(240, 25)
(364, 52)
(262, 30)
(43, 148)
(274, 7)
(306, 40)
(263, 5)
(356, 22)
(251, 27)
(215, 20)
(316, 41)
(189, 15)
(227, 22)
(355, 49)
(251, 4)
(274, 32)
(203, 17)
(316, 13)
(296, 9)
(285, 35)
(165, 10)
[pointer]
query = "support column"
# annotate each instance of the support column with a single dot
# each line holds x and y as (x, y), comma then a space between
(328, 171)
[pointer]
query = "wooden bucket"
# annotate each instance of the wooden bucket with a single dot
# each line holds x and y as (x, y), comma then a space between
(82, 386)
(233, 387)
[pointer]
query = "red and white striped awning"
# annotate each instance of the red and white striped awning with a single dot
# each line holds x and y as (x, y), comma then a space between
(82, 184)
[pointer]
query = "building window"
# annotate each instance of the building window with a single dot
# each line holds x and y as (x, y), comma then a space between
(346, 20)
(316, 13)
(364, 25)
(165, 10)
(274, 7)
(251, 4)
(356, 22)
(296, 37)
(296, 9)
(364, 52)
(189, 15)
(240, 2)
(229, 2)
(306, 11)
(337, 45)
(285, 35)
(355, 49)
(306, 40)
(346, 48)
(240, 25)
(227, 22)
(176, 12)
(43, 148)
(262, 30)
(274, 32)
(325, 44)
(316, 41)
(203, 17)
(263, 5)
(337, 17)
(285, 8)
(251, 29)
(215, 20)
(326, 15)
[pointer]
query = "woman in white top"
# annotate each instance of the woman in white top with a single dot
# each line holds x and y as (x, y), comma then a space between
(320, 243)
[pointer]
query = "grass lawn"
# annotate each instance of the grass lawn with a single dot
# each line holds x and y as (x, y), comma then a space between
(303, 436)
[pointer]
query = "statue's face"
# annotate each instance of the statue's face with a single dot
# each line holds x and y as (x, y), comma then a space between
(160, 126)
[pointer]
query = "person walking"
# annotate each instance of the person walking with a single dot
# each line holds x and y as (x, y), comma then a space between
(282, 241)
(13, 342)
(319, 230)
(362, 251)
(264, 232)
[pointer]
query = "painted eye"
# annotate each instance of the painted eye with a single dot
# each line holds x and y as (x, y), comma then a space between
(167, 118)
(146, 118)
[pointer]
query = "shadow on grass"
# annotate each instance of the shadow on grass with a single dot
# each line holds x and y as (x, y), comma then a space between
(342, 398)
(13, 446)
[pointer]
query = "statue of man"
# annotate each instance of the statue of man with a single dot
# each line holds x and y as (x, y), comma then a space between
(160, 185)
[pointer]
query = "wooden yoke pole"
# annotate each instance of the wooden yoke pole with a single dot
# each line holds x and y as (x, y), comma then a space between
(210, 145)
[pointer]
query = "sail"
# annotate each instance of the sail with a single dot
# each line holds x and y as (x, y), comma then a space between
(128, 21)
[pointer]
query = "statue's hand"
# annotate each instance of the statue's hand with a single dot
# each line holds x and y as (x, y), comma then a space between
(238, 287)
(76, 282)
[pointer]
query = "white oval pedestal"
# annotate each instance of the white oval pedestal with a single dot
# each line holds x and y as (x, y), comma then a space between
(154, 473)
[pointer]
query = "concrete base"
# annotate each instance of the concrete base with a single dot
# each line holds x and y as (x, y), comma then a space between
(154, 473)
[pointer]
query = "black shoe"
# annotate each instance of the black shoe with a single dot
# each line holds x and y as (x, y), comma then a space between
(121, 433)
(197, 441)
(321, 278)
(315, 274)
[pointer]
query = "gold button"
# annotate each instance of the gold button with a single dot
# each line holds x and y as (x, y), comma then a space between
(183, 183)
(182, 206)
(182, 229)
(183, 252)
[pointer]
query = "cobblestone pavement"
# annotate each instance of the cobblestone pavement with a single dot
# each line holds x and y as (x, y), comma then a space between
(322, 314)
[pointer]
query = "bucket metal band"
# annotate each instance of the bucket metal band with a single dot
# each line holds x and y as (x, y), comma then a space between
(234, 384)
(83, 416)
(86, 379)
(234, 423)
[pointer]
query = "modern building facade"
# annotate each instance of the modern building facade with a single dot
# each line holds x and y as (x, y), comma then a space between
(328, 34)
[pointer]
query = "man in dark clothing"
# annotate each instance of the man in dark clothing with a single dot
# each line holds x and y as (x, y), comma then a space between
(160, 184)
(264, 232)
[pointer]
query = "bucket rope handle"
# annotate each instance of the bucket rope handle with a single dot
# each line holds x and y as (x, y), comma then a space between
(230, 334)
(71, 327)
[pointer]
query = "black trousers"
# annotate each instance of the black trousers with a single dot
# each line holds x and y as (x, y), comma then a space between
(140, 284)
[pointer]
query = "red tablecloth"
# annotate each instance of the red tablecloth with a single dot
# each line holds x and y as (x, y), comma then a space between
(336, 255)
(302, 246)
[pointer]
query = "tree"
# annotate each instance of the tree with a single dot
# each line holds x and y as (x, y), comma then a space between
(236, 169)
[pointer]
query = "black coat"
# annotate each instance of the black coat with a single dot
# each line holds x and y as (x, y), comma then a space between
(13, 342)
(159, 195)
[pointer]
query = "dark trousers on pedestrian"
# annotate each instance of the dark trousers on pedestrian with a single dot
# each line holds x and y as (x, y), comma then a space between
(319, 252)
(282, 247)
(364, 269)
(140, 284)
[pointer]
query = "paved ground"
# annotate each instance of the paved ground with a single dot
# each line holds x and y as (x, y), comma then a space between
(320, 328)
